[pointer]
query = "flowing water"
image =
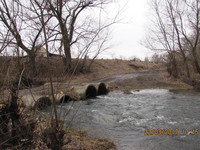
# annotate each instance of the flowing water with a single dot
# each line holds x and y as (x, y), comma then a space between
(125, 118)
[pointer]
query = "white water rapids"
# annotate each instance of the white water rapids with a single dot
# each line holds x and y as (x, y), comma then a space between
(124, 118)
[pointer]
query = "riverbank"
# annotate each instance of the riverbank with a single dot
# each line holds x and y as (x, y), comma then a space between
(133, 75)
(119, 75)
(146, 80)
(79, 140)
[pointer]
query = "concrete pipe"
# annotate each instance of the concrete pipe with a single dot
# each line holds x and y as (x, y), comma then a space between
(43, 102)
(62, 98)
(102, 90)
(78, 92)
(91, 92)
(85, 91)
(35, 101)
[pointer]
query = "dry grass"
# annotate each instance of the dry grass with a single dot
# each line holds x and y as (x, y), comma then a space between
(158, 80)
(79, 140)
(100, 69)
(107, 67)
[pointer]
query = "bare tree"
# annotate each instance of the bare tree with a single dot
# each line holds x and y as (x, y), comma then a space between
(175, 15)
(3, 40)
(174, 23)
(193, 17)
(40, 9)
(18, 28)
(162, 36)
(70, 23)
(72, 28)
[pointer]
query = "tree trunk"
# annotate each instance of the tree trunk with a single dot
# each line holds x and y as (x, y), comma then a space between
(186, 66)
(172, 65)
(196, 63)
(32, 64)
(67, 59)
(197, 66)
(14, 112)
(175, 71)
(187, 69)
(67, 47)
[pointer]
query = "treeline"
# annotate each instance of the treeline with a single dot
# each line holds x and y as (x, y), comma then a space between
(175, 32)
(61, 27)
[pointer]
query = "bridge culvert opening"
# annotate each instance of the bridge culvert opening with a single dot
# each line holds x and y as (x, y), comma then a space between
(91, 92)
(65, 99)
(102, 90)
(42, 103)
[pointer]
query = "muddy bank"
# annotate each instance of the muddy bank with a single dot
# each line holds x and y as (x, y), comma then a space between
(36, 133)
(79, 140)
(193, 82)
(146, 80)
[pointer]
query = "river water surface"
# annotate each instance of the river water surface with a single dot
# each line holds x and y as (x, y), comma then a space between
(124, 118)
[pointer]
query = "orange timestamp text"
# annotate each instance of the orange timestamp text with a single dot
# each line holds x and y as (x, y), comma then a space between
(161, 132)
(171, 132)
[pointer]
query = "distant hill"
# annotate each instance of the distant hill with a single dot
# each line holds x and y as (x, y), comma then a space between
(99, 69)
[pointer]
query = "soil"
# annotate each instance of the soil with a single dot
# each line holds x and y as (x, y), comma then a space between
(146, 80)
(106, 68)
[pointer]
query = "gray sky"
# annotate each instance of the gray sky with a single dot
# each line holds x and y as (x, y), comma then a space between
(127, 36)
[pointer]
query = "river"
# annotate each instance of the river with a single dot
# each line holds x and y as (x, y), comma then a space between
(173, 119)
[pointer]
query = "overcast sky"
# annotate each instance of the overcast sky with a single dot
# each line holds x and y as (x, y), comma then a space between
(127, 36)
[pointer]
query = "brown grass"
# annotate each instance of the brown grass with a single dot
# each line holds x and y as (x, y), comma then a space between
(100, 68)
(79, 140)
(106, 67)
